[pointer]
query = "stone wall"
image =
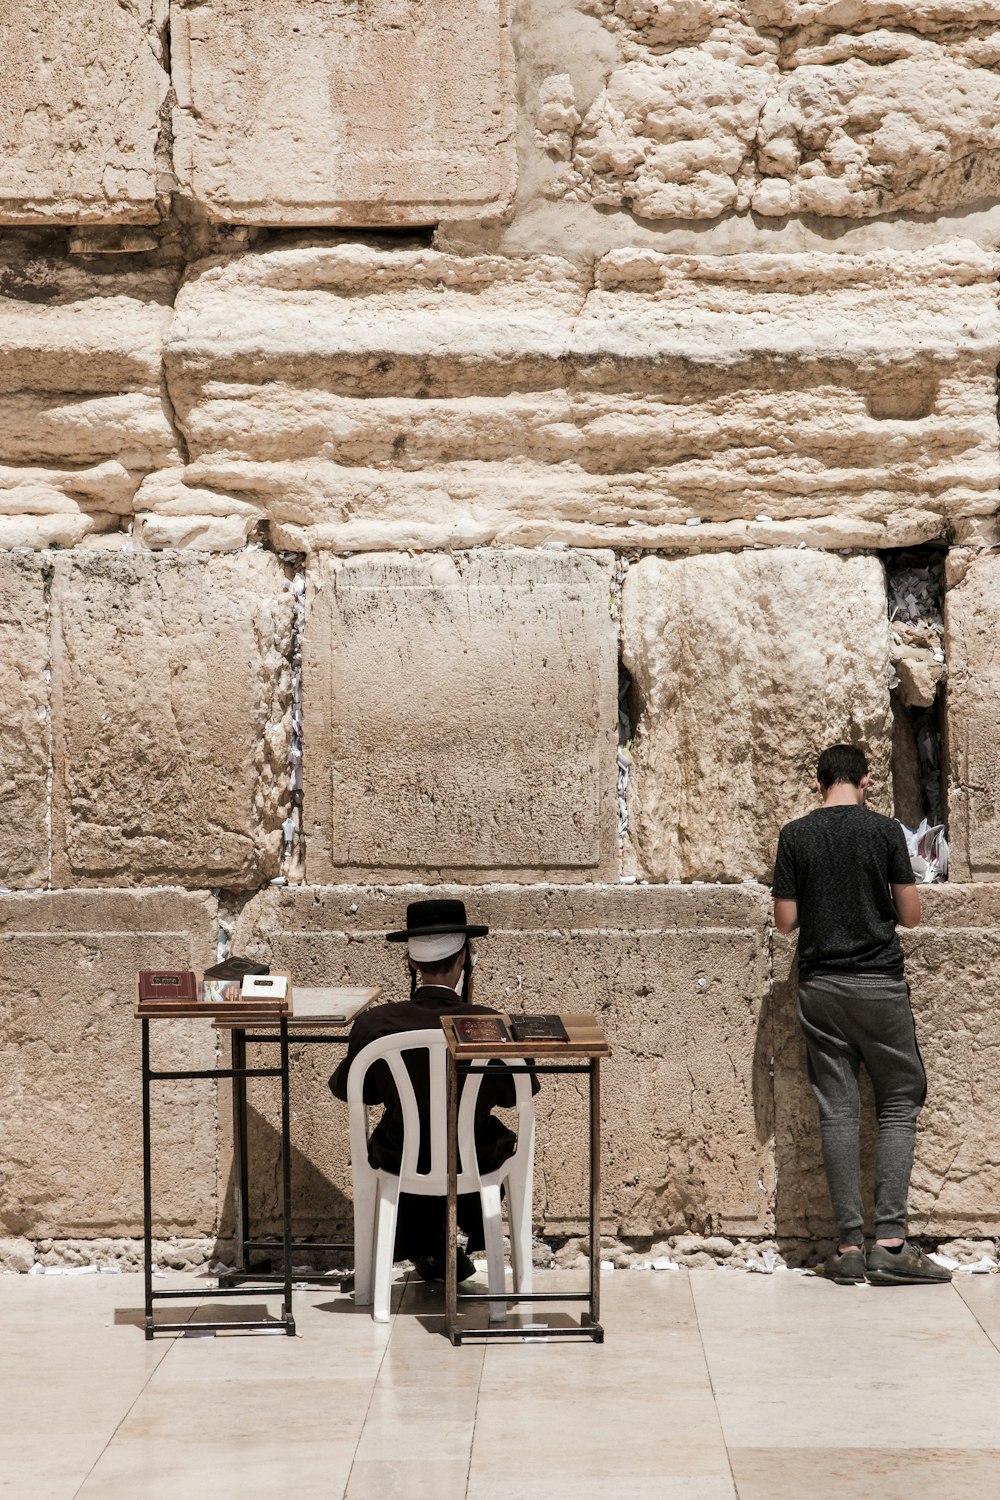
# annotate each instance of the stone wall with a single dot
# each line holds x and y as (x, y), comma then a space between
(471, 448)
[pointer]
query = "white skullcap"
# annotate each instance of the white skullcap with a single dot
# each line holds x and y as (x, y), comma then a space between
(435, 946)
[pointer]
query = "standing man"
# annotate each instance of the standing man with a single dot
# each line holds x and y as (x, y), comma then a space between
(843, 877)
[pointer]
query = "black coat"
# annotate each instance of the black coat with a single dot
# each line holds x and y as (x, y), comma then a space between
(494, 1142)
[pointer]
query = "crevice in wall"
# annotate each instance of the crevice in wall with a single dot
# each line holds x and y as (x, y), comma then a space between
(293, 860)
(627, 710)
(915, 590)
(386, 237)
(48, 573)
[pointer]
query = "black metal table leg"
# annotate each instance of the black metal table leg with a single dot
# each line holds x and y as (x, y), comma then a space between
(595, 1198)
(241, 1173)
(451, 1246)
(286, 1183)
(147, 1188)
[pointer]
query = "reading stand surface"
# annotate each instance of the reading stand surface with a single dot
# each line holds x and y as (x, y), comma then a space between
(585, 1039)
(580, 1053)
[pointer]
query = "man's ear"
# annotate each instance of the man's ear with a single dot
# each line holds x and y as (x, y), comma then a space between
(819, 787)
(863, 783)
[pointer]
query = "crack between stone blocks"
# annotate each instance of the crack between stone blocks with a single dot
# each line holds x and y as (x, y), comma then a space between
(293, 858)
(48, 573)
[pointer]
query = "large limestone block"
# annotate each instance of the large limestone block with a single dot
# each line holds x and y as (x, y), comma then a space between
(953, 968)
(369, 399)
(81, 87)
(745, 666)
(24, 729)
(300, 112)
(782, 108)
(677, 978)
(82, 413)
(70, 1084)
(972, 648)
(171, 718)
(460, 716)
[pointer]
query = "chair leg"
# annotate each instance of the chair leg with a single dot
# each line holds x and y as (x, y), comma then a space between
(493, 1232)
(385, 1242)
(365, 1209)
(519, 1217)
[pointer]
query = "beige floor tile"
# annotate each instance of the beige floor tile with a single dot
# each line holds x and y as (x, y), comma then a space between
(414, 1423)
(55, 1416)
(796, 1362)
(981, 1295)
(409, 1479)
(633, 1416)
(865, 1473)
(175, 1468)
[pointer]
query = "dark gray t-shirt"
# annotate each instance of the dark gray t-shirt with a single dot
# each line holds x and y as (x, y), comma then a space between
(838, 864)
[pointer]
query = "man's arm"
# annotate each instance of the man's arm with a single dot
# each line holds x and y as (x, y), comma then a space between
(906, 900)
(786, 915)
(784, 888)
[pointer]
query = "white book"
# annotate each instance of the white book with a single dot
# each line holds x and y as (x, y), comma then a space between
(264, 987)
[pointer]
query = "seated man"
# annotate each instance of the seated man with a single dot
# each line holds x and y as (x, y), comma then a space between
(437, 937)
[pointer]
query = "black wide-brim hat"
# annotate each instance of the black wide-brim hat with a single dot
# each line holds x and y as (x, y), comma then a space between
(426, 917)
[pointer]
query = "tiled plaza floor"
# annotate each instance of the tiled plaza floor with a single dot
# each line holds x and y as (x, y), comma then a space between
(712, 1385)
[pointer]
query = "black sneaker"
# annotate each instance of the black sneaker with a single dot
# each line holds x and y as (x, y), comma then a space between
(847, 1268)
(908, 1266)
(431, 1268)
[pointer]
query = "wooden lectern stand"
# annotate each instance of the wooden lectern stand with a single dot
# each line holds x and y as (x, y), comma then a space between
(582, 1053)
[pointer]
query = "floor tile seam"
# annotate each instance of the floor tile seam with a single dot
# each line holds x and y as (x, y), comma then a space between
(711, 1385)
(374, 1385)
(977, 1320)
(475, 1417)
(166, 1351)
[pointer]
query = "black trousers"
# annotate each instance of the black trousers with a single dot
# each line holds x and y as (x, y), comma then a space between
(421, 1225)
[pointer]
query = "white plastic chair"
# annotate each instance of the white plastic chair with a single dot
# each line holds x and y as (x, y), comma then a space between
(376, 1192)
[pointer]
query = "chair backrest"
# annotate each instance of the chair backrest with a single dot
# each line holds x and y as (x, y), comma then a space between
(390, 1050)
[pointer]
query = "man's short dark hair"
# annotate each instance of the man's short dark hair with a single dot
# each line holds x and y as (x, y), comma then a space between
(841, 763)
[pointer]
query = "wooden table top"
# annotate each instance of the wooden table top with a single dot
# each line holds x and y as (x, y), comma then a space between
(586, 1039)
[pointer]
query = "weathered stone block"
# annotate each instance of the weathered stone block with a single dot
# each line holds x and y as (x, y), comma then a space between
(972, 648)
(82, 414)
(746, 666)
(953, 968)
(786, 109)
(306, 113)
(460, 716)
(678, 979)
(171, 718)
(70, 1083)
(367, 399)
(80, 94)
(24, 729)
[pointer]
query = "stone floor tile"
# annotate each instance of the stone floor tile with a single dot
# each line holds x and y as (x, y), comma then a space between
(799, 1363)
(981, 1295)
(408, 1479)
(174, 1468)
(864, 1473)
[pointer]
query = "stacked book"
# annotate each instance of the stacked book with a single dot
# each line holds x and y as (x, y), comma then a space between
(234, 986)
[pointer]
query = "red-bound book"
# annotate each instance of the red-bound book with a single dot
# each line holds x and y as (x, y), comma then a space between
(180, 985)
(480, 1029)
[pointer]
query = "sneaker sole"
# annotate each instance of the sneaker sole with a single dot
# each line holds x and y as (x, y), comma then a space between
(886, 1278)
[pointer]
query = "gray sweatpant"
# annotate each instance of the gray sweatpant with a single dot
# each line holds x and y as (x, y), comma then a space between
(849, 1020)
